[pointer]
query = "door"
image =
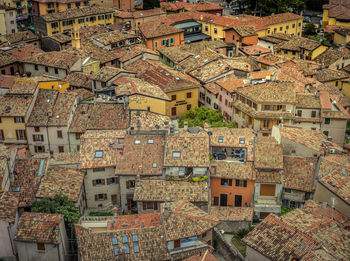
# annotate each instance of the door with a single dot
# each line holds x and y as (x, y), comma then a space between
(173, 111)
(114, 199)
(223, 200)
(267, 190)
(238, 200)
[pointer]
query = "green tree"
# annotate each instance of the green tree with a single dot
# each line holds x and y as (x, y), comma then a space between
(320, 38)
(280, 6)
(201, 115)
(59, 205)
(310, 29)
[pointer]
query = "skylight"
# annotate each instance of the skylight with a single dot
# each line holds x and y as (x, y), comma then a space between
(125, 239)
(154, 165)
(17, 189)
(241, 140)
(176, 154)
(116, 251)
(135, 238)
(136, 248)
(98, 153)
(150, 141)
(115, 241)
(221, 139)
(137, 142)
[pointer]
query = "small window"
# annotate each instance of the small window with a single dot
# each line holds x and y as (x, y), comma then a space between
(115, 241)
(173, 97)
(16, 188)
(206, 28)
(19, 119)
(176, 154)
(241, 140)
(156, 44)
(216, 201)
(287, 190)
(137, 142)
(36, 67)
(154, 165)
(98, 153)
(326, 133)
(215, 30)
(150, 141)
(59, 134)
(189, 106)
(189, 95)
(226, 182)
(327, 121)
(125, 239)
(116, 251)
(46, 69)
(60, 149)
(37, 129)
(221, 139)
(56, 71)
(40, 246)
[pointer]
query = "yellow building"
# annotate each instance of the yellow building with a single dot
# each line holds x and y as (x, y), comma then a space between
(341, 36)
(182, 101)
(338, 78)
(42, 7)
(58, 85)
(21, 6)
(333, 16)
(141, 95)
(79, 17)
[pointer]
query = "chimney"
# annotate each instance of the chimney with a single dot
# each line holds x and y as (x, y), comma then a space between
(75, 38)
(237, 48)
(185, 125)
(324, 205)
(115, 212)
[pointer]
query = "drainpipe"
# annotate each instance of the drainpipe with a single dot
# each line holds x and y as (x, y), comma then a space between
(12, 246)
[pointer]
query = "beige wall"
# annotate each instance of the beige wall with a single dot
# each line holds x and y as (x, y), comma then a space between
(336, 130)
(322, 194)
(252, 255)
(295, 149)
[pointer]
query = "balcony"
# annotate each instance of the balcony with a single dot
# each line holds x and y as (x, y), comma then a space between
(267, 204)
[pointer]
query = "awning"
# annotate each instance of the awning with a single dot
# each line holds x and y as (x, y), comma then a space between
(196, 37)
(187, 25)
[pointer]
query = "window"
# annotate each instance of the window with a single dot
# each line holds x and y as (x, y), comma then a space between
(287, 27)
(108, 16)
(293, 25)
(173, 111)
(99, 197)
(92, 18)
(39, 149)
(81, 20)
(56, 71)
(216, 201)
(206, 28)
(36, 67)
(98, 169)
(54, 25)
(150, 141)
(313, 114)
(77, 136)
(241, 140)
(98, 153)
(238, 200)
(189, 95)
(221, 139)
(172, 40)
(101, 17)
(130, 184)
(177, 243)
(154, 165)
(299, 24)
(38, 137)
(156, 44)
(40, 246)
(69, 6)
(285, 52)
(77, 4)
(294, 52)
(281, 28)
(215, 30)
(299, 113)
(21, 134)
(60, 149)
(326, 133)
(98, 182)
(241, 183)
(173, 97)
(36, 129)
(189, 106)
(287, 190)
(137, 142)
(59, 134)
(3, 71)
(226, 182)
(327, 121)
(176, 154)
(87, 19)
(19, 119)
(2, 135)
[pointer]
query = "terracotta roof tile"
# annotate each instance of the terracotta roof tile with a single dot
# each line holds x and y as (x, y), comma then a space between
(326, 75)
(24, 52)
(23, 36)
(268, 155)
(62, 60)
(61, 181)
(155, 29)
(79, 79)
(231, 170)
(15, 105)
(182, 219)
(145, 158)
(310, 101)
(39, 228)
(338, 9)
(81, 118)
(146, 120)
(232, 213)
(299, 173)
(60, 37)
(112, 37)
(8, 206)
(162, 190)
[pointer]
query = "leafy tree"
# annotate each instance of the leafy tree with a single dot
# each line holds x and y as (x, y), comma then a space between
(59, 205)
(280, 6)
(285, 210)
(201, 115)
(99, 213)
(150, 4)
(310, 29)
(320, 38)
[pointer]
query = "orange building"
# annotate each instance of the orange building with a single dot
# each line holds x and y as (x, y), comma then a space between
(231, 183)
(43, 7)
(157, 35)
(244, 34)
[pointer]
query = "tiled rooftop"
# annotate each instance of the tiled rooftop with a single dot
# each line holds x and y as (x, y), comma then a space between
(15, 105)
(39, 228)
(299, 173)
(93, 142)
(126, 53)
(6, 81)
(24, 86)
(77, 12)
(106, 73)
(230, 83)
(245, 30)
(309, 101)
(312, 139)
(27, 179)
(316, 209)
(182, 219)
(65, 158)
(231, 170)
(232, 213)
(62, 60)
(268, 155)
(146, 120)
(8, 206)
(134, 221)
(162, 190)
(298, 44)
(193, 148)
(338, 9)
(112, 37)
(79, 79)
(141, 13)
(108, 116)
(328, 57)
(327, 75)
(61, 181)
(142, 154)
(60, 38)
(23, 52)
(130, 86)
(23, 36)
(203, 7)
(255, 50)
(282, 92)
(156, 29)
(80, 118)
(269, 176)
(279, 18)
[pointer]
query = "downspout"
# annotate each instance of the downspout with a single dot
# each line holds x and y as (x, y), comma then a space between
(12, 246)
(58, 251)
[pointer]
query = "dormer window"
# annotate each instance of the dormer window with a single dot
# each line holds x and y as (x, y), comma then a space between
(137, 142)
(176, 154)
(221, 139)
(99, 154)
(241, 140)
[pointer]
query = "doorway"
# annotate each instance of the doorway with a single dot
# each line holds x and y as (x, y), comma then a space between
(223, 200)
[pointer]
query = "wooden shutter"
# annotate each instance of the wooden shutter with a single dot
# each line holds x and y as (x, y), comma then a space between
(17, 136)
(108, 181)
(43, 148)
(230, 182)
(144, 205)
(42, 137)
(94, 183)
(244, 183)
(127, 184)
(34, 137)
(103, 181)
(96, 197)
(104, 196)
(155, 206)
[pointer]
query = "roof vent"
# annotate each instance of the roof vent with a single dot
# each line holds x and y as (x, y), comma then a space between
(58, 116)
